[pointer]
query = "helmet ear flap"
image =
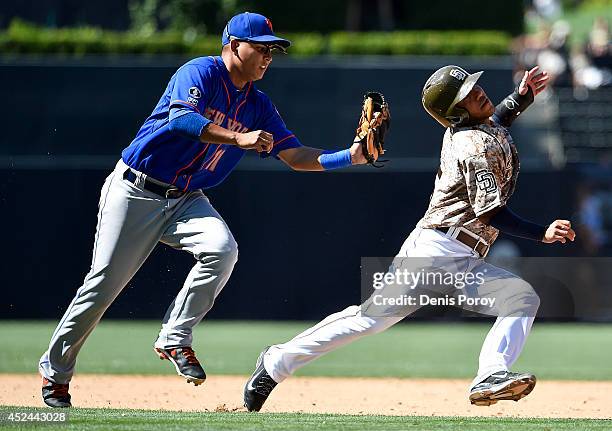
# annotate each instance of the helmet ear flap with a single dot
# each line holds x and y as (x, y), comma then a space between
(458, 116)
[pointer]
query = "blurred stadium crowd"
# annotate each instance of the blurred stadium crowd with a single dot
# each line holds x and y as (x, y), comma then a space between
(581, 94)
(587, 66)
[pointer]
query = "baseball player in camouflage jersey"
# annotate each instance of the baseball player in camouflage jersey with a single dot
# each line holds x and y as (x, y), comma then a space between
(478, 171)
(483, 158)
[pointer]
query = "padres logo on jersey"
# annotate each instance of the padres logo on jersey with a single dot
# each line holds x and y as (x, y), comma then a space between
(486, 181)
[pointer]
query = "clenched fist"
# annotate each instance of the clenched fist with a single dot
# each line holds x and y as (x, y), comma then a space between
(257, 140)
(559, 230)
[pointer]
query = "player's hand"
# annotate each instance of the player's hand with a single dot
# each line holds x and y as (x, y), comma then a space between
(534, 79)
(559, 230)
(357, 157)
(257, 140)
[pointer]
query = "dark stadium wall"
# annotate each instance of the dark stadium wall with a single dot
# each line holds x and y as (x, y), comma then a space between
(300, 235)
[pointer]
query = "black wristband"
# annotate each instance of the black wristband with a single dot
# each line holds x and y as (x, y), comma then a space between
(508, 222)
(512, 106)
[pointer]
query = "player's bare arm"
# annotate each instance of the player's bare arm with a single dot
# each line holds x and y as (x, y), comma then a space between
(309, 159)
(258, 140)
(367, 146)
(189, 123)
(302, 158)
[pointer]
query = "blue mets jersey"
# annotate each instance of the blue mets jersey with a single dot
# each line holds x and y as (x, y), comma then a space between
(204, 86)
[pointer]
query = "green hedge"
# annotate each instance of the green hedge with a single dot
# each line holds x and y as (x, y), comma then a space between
(22, 37)
(421, 43)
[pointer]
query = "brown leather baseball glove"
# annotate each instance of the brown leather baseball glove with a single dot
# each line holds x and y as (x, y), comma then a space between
(373, 125)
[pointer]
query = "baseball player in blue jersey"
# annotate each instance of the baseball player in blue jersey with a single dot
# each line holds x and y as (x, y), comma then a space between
(209, 115)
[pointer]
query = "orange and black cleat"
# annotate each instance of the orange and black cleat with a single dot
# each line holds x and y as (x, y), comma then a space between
(55, 394)
(185, 362)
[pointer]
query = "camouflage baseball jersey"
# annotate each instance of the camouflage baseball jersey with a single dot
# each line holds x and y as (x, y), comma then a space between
(478, 170)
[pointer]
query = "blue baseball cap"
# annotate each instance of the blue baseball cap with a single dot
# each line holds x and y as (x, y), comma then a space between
(252, 27)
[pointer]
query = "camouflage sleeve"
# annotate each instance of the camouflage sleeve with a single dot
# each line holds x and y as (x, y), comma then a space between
(483, 177)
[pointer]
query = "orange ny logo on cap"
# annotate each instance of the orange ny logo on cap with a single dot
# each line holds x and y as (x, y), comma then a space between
(269, 24)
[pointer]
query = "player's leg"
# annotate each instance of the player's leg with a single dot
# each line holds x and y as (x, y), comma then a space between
(130, 223)
(336, 330)
(280, 361)
(333, 332)
(198, 229)
(516, 305)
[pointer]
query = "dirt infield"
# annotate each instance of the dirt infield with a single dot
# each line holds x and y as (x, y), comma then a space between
(423, 397)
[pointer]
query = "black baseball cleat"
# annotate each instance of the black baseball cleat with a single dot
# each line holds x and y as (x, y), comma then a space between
(500, 386)
(185, 362)
(55, 394)
(259, 386)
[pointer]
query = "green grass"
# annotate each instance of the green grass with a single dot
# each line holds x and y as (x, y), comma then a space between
(446, 350)
(133, 420)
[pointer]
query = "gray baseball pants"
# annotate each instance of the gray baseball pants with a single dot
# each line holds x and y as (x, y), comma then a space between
(131, 221)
